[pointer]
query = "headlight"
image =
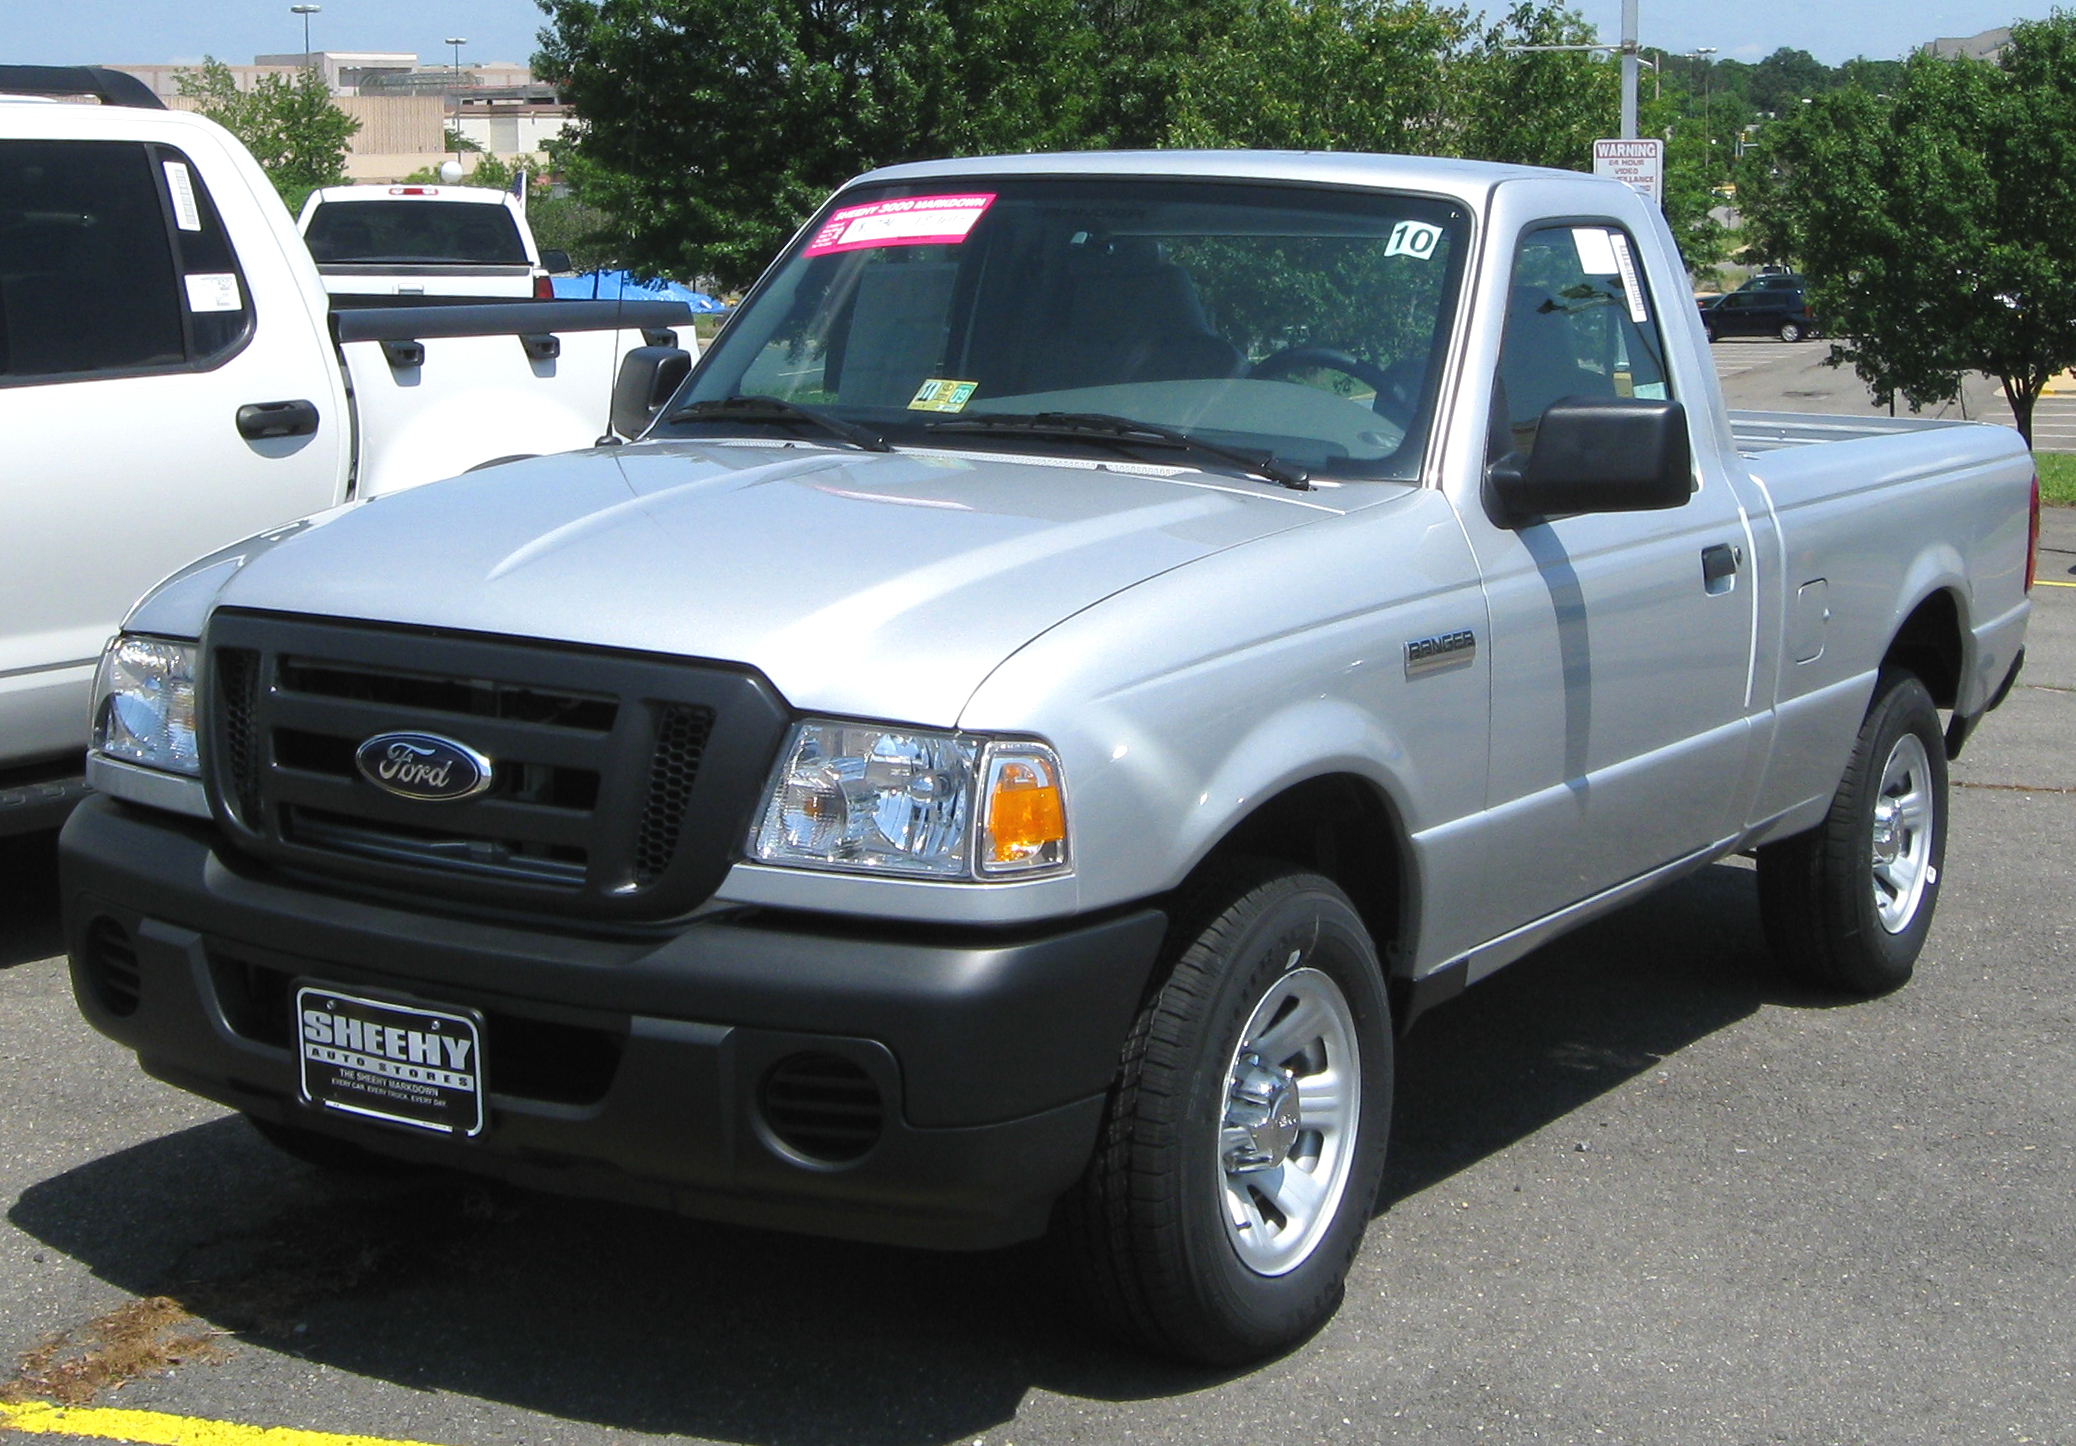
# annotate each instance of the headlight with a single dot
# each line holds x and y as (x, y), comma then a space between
(144, 704)
(907, 801)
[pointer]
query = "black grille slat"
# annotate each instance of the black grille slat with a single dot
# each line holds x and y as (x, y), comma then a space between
(673, 769)
(236, 671)
(622, 786)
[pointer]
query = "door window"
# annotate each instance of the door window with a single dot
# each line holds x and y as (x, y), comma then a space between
(113, 260)
(1579, 324)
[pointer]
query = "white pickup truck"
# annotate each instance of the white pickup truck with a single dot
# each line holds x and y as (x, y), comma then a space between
(1098, 645)
(173, 378)
(410, 240)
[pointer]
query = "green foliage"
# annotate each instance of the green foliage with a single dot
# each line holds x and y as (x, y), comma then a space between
(2057, 477)
(1937, 222)
(291, 126)
(710, 128)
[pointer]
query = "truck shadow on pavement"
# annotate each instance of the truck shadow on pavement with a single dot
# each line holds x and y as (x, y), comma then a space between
(641, 1321)
(29, 924)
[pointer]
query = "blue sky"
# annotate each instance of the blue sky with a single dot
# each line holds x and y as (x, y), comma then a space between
(45, 32)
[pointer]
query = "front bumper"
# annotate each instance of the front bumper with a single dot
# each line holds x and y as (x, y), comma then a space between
(631, 1066)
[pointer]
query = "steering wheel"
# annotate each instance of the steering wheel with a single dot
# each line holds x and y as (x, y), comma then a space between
(1397, 386)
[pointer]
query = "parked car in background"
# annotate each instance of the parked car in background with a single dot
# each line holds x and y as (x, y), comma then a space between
(1774, 281)
(173, 377)
(410, 240)
(1771, 311)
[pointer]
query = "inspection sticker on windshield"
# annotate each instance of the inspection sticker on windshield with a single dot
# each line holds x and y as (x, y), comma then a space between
(406, 1064)
(911, 221)
(940, 395)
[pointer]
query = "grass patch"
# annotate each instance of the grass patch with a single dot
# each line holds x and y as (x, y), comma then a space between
(2057, 477)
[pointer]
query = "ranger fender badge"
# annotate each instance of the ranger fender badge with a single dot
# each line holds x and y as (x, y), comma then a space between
(1433, 655)
(423, 766)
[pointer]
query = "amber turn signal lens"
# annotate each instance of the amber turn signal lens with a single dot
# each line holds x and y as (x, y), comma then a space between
(1025, 826)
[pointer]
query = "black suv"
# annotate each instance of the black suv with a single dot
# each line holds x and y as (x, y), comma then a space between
(1770, 311)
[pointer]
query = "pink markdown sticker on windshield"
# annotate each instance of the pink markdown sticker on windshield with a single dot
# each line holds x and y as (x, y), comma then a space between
(912, 221)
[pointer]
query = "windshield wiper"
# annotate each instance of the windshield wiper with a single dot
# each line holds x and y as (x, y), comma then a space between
(771, 409)
(1102, 426)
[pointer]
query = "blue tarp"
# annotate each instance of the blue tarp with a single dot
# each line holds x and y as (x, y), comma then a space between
(612, 285)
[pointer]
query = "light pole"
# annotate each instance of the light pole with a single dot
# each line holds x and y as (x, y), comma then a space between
(1626, 49)
(306, 11)
(1708, 141)
(457, 41)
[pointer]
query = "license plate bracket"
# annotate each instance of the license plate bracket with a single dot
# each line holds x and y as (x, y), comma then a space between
(401, 1062)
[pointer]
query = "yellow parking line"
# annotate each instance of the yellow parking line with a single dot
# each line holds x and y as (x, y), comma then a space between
(155, 1428)
(2049, 582)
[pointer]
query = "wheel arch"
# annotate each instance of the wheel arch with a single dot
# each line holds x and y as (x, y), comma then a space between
(1346, 827)
(1933, 643)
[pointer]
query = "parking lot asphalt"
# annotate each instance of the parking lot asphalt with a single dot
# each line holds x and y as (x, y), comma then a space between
(1643, 1189)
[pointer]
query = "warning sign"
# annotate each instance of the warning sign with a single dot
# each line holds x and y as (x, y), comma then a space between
(1639, 165)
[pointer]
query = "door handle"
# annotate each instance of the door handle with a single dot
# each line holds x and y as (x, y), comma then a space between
(258, 420)
(1719, 566)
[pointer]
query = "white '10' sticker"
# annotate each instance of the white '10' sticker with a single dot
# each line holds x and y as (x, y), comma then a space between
(1413, 238)
(181, 187)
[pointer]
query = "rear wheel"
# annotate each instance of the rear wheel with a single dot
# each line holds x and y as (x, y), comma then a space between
(1243, 1145)
(1791, 331)
(1848, 904)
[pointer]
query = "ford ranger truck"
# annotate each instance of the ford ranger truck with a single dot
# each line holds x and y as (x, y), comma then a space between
(1096, 647)
(173, 378)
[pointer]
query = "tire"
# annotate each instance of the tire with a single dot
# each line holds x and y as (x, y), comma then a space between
(1791, 331)
(330, 1154)
(1174, 1231)
(1847, 905)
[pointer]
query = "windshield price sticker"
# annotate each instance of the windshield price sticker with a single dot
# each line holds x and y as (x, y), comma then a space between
(1413, 238)
(1632, 279)
(181, 187)
(403, 1064)
(911, 221)
(940, 395)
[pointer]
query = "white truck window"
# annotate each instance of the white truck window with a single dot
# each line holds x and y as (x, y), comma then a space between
(87, 278)
(1579, 324)
(401, 232)
(216, 304)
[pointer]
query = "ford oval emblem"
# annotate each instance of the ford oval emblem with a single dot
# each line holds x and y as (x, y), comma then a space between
(422, 765)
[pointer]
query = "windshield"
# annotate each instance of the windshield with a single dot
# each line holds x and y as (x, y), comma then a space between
(1299, 323)
(424, 231)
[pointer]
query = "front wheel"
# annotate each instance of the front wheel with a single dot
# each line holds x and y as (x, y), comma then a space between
(1244, 1141)
(1847, 905)
(1791, 331)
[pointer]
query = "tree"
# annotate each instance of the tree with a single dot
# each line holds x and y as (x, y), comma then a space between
(291, 126)
(1938, 223)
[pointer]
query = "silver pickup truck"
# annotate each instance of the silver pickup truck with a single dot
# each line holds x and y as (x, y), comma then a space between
(1096, 647)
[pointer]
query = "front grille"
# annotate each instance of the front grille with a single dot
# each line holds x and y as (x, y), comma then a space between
(621, 785)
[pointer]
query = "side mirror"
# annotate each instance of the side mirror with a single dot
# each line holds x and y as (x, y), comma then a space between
(1614, 454)
(556, 263)
(648, 375)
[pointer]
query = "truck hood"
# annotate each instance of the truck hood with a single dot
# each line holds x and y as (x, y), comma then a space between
(873, 584)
